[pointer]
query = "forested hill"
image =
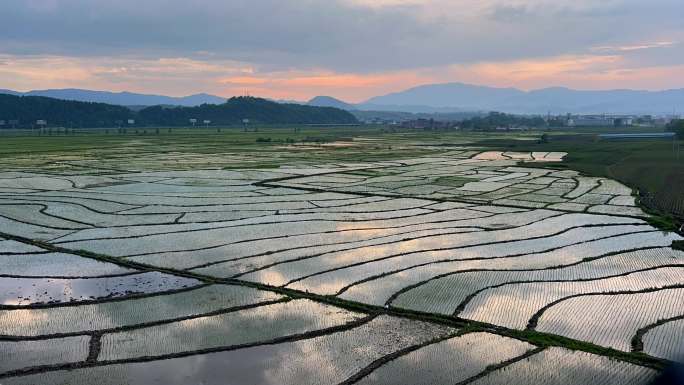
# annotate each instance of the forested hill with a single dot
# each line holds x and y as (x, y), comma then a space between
(254, 109)
(28, 109)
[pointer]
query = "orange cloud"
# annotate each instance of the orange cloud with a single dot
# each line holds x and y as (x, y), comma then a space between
(581, 71)
(522, 70)
(336, 81)
(637, 47)
(243, 80)
(302, 85)
(183, 76)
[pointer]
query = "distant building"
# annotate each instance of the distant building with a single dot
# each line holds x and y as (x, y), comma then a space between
(511, 128)
(591, 122)
(661, 122)
(429, 124)
(645, 135)
(601, 121)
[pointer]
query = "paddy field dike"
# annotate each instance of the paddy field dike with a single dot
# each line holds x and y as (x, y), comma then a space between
(427, 265)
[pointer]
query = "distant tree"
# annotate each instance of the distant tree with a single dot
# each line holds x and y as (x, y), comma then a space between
(235, 109)
(677, 126)
(494, 120)
(557, 122)
(678, 245)
(24, 111)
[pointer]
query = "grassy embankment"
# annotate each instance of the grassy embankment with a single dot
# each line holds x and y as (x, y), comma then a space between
(654, 168)
(649, 166)
(262, 147)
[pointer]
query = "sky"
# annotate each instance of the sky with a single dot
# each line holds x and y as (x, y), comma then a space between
(350, 49)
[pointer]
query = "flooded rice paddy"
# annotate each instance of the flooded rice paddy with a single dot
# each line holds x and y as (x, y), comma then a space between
(463, 267)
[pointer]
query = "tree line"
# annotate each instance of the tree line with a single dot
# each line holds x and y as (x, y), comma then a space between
(26, 111)
(677, 126)
(494, 120)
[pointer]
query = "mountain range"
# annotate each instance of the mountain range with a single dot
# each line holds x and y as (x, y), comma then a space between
(121, 98)
(19, 111)
(434, 99)
(329, 101)
(555, 100)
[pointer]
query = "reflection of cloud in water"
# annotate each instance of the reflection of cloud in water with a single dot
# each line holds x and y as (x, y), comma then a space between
(368, 229)
(559, 366)
(663, 341)
(271, 277)
(26, 318)
(246, 326)
(24, 291)
(449, 361)
(323, 360)
(495, 305)
(135, 311)
(327, 285)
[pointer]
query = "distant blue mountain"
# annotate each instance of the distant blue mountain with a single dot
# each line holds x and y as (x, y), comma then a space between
(122, 98)
(10, 92)
(328, 101)
(432, 98)
(448, 95)
(557, 100)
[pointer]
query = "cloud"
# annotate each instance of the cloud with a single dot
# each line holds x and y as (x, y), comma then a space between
(340, 35)
(637, 47)
(175, 76)
(183, 76)
(302, 85)
(356, 48)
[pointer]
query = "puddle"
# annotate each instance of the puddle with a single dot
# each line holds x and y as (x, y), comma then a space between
(27, 291)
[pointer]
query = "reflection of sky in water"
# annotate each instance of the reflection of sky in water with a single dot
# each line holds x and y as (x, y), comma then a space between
(21, 354)
(496, 305)
(449, 361)
(112, 314)
(401, 248)
(327, 359)
(57, 264)
(342, 244)
(9, 246)
(356, 273)
(558, 366)
(663, 341)
(615, 319)
(25, 291)
(445, 294)
(246, 326)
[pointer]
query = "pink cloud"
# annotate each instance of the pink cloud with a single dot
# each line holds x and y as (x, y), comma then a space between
(182, 76)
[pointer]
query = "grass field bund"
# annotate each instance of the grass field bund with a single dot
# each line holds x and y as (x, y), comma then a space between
(336, 256)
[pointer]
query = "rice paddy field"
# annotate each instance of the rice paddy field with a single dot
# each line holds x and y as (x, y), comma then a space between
(369, 259)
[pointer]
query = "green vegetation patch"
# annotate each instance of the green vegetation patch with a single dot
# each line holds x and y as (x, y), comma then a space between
(678, 245)
(654, 168)
(260, 166)
(370, 173)
(455, 181)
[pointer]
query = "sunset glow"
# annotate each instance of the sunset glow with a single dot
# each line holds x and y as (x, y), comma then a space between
(394, 45)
